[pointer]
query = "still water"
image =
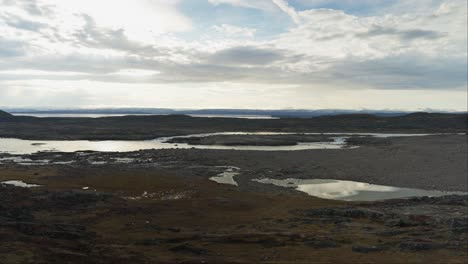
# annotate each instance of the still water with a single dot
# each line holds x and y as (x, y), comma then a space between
(351, 190)
(20, 184)
(113, 115)
(20, 146)
(227, 177)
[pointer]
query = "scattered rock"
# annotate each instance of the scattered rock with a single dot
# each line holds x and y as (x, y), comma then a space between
(344, 212)
(367, 249)
(320, 243)
(418, 246)
(187, 248)
(174, 229)
(74, 198)
(459, 225)
(148, 242)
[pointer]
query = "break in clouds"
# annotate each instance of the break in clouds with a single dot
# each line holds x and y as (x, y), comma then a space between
(234, 53)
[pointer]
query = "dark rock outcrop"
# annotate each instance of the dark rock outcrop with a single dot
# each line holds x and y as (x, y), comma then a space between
(4, 114)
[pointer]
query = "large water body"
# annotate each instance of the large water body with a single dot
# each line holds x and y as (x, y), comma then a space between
(113, 115)
(20, 146)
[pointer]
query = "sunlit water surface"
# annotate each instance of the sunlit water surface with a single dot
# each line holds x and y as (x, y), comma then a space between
(20, 146)
(227, 177)
(133, 114)
(351, 190)
(20, 184)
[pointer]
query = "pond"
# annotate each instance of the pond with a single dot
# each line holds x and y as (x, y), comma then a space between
(351, 190)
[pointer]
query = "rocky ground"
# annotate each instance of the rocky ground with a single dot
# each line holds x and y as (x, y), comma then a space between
(428, 162)
(159, 206)
(181, 217)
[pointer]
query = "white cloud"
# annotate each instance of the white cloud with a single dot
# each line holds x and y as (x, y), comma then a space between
(39, 73)
(135, 72)
(232, 31)
(332, 36)
(285, 7)
(65, 94)
(266, 5)
(257, 4)
(135, 17)
(55, 46)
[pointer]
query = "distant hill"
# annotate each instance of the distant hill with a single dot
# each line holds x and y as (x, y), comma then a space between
(4, 114)
(284, 113)
(153, 126)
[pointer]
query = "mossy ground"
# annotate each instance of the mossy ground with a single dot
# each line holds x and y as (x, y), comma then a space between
(210, 222)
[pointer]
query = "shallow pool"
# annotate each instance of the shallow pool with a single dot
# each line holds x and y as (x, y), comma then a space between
(351, 190)
(227, 177)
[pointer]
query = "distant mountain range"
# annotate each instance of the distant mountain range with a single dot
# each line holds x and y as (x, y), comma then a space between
(298, 113)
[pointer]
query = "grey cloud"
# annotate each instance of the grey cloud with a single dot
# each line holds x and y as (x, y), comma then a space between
(33, 8)
(11, 48)
(8, 52)
(30, 6)
(266, 64)
(417, 33)
(30, 95)
(212, 73)
(413, 71)
(402, 34)
(332, 37)
(246, 56)
(408, 71)
(72, 63)
(24, 24)
(93, 36)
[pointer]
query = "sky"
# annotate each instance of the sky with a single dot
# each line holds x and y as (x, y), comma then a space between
(257, 54)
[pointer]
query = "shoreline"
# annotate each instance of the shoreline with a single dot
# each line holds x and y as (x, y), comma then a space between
(429, 162)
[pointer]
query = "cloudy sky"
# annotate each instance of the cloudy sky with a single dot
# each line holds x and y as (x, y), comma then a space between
(266, 54)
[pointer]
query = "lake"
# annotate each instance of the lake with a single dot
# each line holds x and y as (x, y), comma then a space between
(20, 146)
(352, 190)
(125, 114)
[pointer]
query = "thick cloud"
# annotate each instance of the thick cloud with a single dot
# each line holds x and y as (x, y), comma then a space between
(231, 30)
(402, 34)
(327, 49)
(32, 7)
(101, 38)
(246, 56)
(24, 24)
(409, 71)
(11, 48)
